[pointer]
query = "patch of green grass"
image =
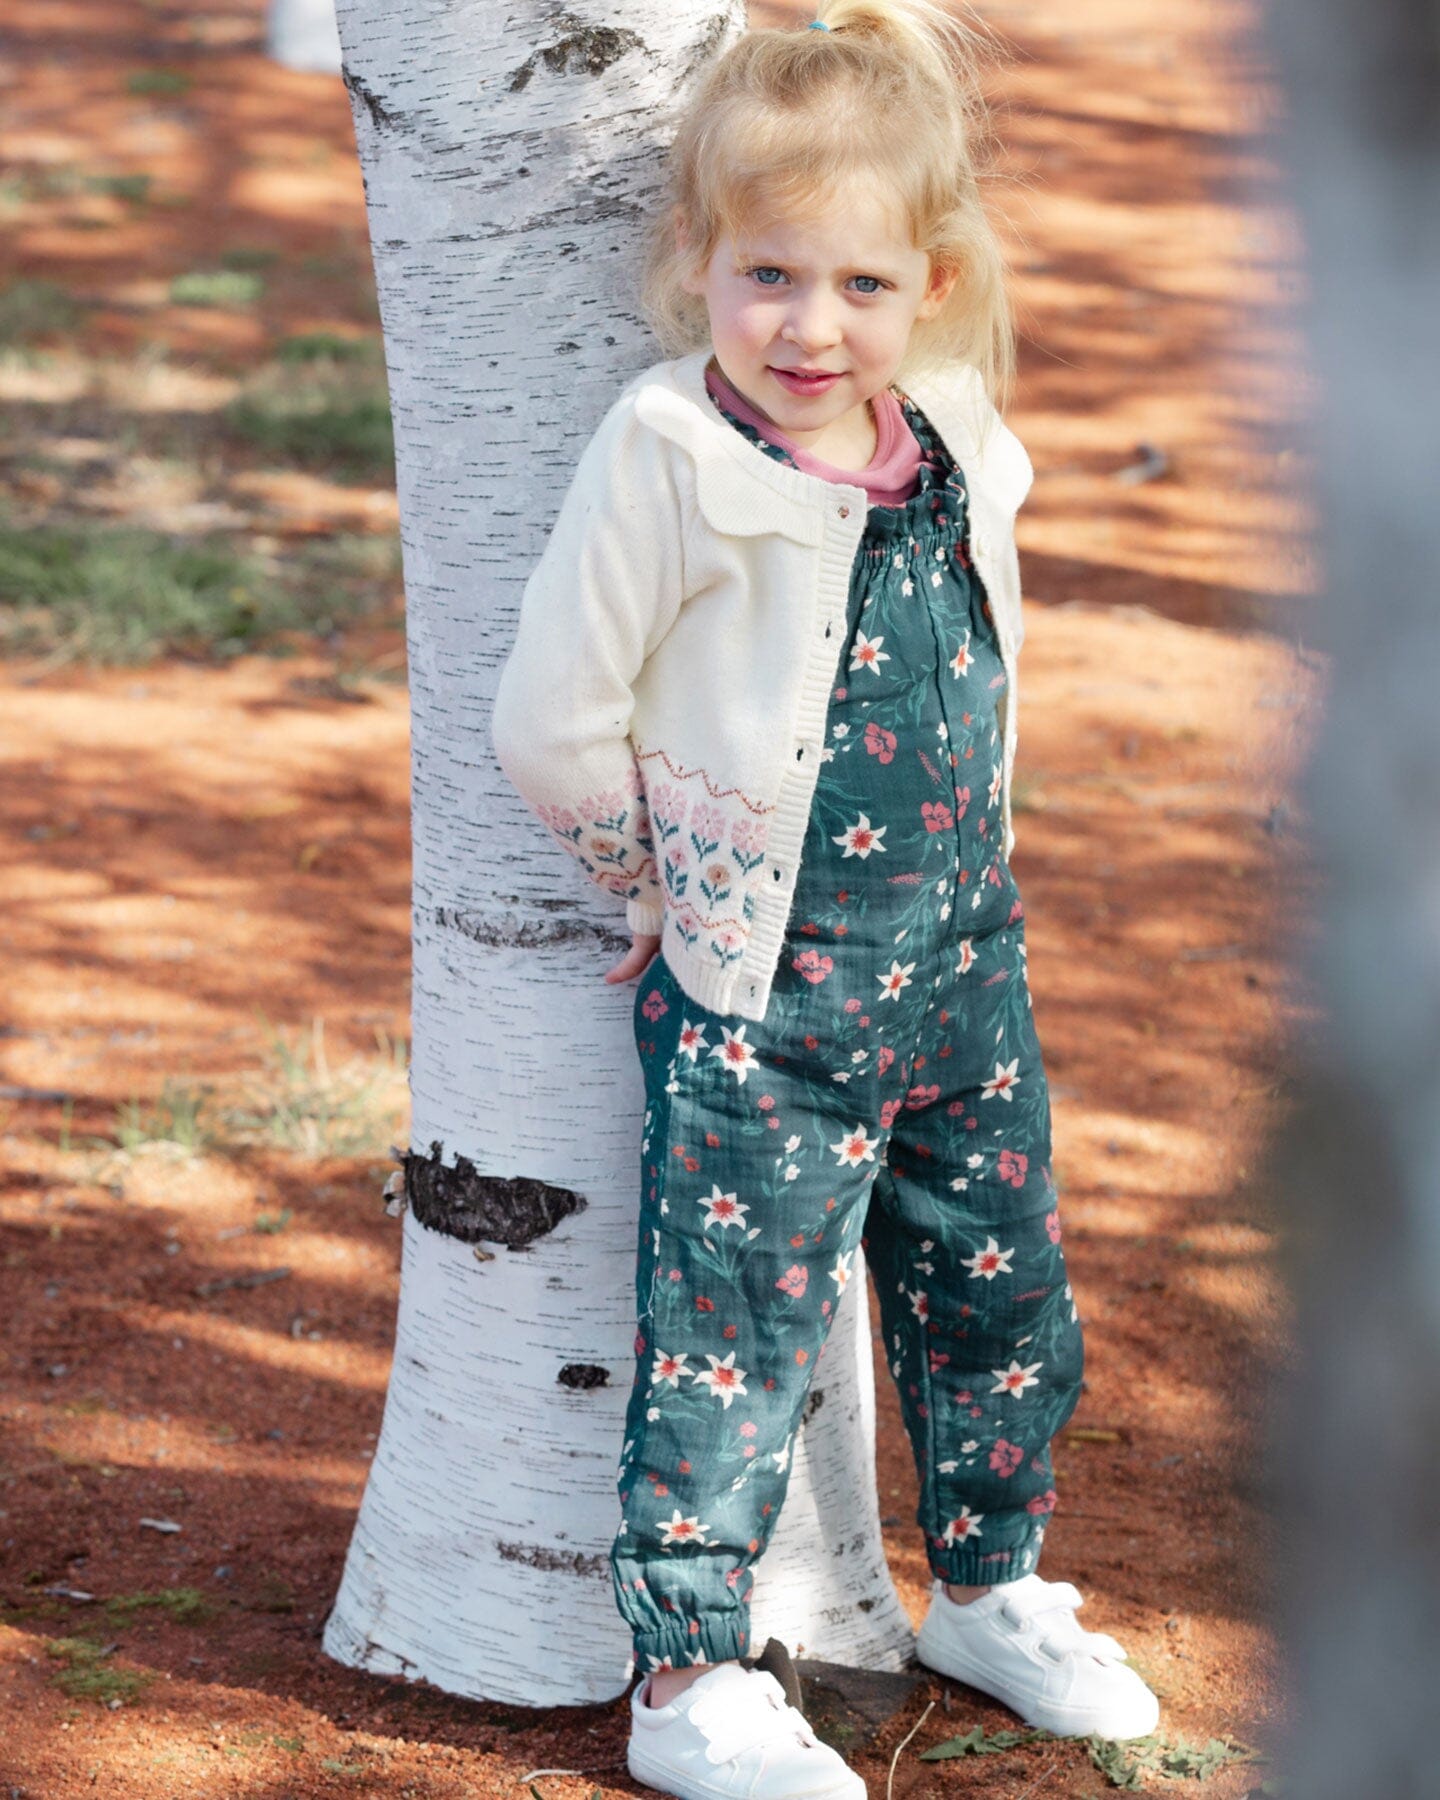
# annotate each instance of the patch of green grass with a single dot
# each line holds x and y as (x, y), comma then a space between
(83, 1673)
(174, 1121)
(268, 1224)
(1126, 1762)
(134, 188)
(216, 287)
(300, 1102)
(119, 594)
(322, 425)
(249, 257)
(35, 309)
(162, 83)
(182, 1605)
(327, 346)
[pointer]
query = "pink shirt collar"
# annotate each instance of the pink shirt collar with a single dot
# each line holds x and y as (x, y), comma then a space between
(890, 477)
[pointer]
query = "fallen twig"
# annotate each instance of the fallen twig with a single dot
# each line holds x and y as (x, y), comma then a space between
(890, 1779)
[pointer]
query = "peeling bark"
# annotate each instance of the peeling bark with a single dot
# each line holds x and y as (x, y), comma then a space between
(474, 1208)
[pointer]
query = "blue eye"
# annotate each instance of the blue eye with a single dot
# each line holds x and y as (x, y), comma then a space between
(766, 270)
(875, 279)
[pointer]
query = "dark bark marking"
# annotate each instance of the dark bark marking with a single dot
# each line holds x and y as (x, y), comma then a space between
(584, 50)
(584, 1375)
(361, 94)
(464, 1204)
(530, 934)
(543, 1556)
(815, 1402)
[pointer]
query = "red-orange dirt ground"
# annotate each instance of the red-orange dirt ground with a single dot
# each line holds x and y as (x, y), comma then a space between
(203, 860)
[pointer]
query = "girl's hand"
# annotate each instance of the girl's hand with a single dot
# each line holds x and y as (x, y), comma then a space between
(636, 959)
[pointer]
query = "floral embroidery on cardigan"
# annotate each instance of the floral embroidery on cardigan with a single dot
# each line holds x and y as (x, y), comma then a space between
(609, 835)
(708, 843)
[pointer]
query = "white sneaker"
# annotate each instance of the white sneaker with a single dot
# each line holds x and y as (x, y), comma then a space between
(1022, 1644)
(732, 1735)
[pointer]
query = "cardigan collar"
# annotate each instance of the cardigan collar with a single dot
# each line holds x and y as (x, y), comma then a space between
(744, 492)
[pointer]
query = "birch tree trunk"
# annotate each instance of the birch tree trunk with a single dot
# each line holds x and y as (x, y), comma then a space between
(1358, 1434)
(511, 155)
(302, 35)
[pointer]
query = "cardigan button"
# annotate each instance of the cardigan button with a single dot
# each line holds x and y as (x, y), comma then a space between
(844, 511)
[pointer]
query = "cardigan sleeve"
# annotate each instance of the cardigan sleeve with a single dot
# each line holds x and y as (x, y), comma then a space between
(606, 589)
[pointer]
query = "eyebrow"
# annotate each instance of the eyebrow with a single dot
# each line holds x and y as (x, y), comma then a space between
(763, 259)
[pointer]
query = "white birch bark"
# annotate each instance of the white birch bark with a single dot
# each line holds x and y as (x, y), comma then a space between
(510, 156)
(1357, 1439)
(302, 34)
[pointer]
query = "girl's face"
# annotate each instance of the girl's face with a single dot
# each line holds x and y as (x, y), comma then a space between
(835, 294)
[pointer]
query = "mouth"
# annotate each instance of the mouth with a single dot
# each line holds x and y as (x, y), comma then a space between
(806, 381)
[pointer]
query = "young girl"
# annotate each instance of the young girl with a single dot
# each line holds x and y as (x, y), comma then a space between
(763, 688)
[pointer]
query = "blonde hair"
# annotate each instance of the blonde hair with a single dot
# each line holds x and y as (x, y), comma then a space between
(779, 121)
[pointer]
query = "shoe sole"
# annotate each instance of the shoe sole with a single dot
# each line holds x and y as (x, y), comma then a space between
(687, 1787)
(1058, 1719)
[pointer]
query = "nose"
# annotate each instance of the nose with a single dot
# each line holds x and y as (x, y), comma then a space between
(810, 321)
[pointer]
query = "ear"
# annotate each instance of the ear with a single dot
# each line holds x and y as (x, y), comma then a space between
(942, 280)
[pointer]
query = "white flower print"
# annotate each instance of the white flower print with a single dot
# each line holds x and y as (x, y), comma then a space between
(907, 587)
(1015, 1380)
(1003, 1082)
(867, 653)
(995, 786)
(969, 1447)
(735, 1054)
(659, 1662)
(681, 1531)
(919, 1304)
(855, 1148)
(792, 1171)
(670, 1368)
(723, 1379)
(782, 1456)
(724, 1209)
(947, 1468)
(967, 957)
(861, 838)
(792, 1143)
(966, 1526)
(692, 1039)
(989, 1262)
(962, 659)
(893, 980)
(840, 1274)
(959, 1185)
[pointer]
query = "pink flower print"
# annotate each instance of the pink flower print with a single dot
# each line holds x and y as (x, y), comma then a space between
(707, 824)
(1052, 1225)
(748, 835)
(884, 1059)
(719, 878)
(653, 1006)
(937, 815)
(1042, 1503)
(938, 1360)
(1017, 911)
(1013, 1164)
(852, 1006)
(813, 966)
(747, 1430)
(676, 860)
(765, 1102)
(1006, 1458)
(922, 1096)
(889, 1110)
(880, 742)
(674, 1274)
(962, 802)
(794, 1281)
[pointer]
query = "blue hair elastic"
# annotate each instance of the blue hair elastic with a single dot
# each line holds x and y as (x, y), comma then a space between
(818, 25)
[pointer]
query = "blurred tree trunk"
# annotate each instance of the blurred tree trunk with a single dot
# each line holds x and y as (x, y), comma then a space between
(511, 155)
(1358, 1426)
(302, 35)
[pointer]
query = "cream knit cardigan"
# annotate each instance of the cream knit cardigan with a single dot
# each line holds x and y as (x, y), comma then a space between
(663, 708)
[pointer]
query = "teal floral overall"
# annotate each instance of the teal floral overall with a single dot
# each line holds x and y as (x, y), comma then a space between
(893, 1098)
